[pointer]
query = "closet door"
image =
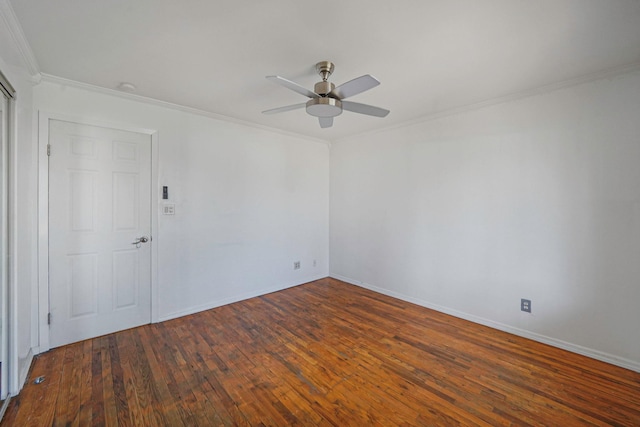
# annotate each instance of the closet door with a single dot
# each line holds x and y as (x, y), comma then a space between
(4, 247)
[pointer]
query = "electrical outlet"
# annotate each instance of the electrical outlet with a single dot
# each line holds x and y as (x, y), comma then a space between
(525, 305)
(169, 209)
(296, 265)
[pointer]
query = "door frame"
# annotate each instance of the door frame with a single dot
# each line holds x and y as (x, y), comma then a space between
(8, 285)
(43, 215)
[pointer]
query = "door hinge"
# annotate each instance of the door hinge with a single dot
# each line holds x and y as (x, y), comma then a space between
(48, 318)
(48, 149)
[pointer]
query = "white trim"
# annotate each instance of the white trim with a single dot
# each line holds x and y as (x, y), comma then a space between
(20, 41)
(14, 384)
(5, 405)
(43, 233)
(236, 298)
(156, 188)
(24, 373)
(574, 348)
(169, 105)
(512, 97)
(44, 343)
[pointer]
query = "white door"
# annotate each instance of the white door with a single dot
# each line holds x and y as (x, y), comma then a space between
(99, 205)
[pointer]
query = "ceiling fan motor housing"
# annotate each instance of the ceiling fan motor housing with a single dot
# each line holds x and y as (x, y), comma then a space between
(325, 106)
(323, 88)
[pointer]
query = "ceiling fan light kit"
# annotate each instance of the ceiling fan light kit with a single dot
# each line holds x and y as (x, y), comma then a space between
(326, 100)
(324, 107)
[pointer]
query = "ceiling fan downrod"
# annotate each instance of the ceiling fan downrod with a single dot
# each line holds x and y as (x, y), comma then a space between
(324, 88)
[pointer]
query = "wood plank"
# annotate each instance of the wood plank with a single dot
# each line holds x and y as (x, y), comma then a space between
(324, 353)
(86, 407)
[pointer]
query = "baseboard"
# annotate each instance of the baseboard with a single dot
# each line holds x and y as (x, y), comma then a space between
(236, 298)
(574, 348)
(24, 372)
(5, 405)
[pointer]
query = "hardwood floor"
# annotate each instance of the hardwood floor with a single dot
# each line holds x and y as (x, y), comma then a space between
(324, 353)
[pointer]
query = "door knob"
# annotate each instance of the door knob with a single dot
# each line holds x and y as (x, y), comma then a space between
(140, 240)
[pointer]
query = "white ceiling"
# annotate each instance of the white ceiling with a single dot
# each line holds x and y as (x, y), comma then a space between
(430, 55)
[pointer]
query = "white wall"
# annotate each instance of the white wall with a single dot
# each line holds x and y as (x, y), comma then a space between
(537, 198)
(249, 202)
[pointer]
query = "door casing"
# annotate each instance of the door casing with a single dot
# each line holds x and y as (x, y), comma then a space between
(43, 216)
(15, 377)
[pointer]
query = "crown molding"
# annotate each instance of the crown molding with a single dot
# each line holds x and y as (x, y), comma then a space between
(20, 41)
(516, 96)
(169, 105)
(540, 90)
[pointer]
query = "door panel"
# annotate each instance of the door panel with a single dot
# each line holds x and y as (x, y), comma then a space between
(83, 283)
(125, 277)
(99, 204)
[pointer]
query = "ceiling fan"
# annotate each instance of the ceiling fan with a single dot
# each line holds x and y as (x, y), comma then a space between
(327, 101)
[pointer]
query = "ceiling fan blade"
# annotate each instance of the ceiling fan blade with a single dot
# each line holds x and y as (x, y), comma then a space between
(293, 86)
(325, 122)
(369, 110)
(285, 108)
(355, 86)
